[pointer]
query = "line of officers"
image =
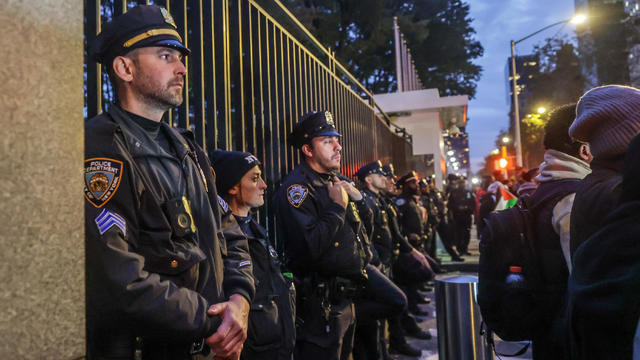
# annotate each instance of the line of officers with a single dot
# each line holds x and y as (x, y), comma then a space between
(178, 268)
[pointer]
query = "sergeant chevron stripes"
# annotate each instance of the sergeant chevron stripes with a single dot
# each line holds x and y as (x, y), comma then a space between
(107, 219)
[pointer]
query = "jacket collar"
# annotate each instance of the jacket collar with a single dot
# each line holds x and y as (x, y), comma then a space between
(140, 144)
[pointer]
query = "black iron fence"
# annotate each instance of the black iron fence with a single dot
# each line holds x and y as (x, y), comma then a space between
(253, 71)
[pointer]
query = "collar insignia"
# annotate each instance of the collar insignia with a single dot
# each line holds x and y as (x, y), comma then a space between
(101, 180)
(167, 17)
(296, 194)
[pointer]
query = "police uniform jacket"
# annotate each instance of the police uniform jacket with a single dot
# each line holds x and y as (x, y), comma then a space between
(378, 227)
(400, 241)
(272, 317)
(152, 275)
(320, 237)
(410, 216)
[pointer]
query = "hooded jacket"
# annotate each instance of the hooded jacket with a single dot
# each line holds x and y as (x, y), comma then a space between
(560, 166)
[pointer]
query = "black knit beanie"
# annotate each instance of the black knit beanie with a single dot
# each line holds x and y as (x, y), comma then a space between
(230, 167)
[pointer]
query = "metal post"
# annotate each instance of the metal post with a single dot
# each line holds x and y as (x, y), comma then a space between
(516, 110)
(396, 40)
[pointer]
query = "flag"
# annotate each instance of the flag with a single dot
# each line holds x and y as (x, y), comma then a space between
(507, 199)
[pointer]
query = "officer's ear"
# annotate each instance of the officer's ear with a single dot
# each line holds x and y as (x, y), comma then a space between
(307, 150)
(235, 190)
(123, 68)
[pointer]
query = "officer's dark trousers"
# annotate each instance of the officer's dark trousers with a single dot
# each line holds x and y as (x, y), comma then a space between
(326, 339)
(446, 235)
(382, 299)
(462, 224)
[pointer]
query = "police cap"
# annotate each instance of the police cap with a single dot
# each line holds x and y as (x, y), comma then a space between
(371, 168)
(230, 167)
(389, 171)
(409, 177)
(141, 26)
(312, 124)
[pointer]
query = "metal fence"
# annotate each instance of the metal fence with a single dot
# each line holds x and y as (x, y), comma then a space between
(253, 71)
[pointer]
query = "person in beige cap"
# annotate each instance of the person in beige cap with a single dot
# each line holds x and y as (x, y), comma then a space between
(607, 118)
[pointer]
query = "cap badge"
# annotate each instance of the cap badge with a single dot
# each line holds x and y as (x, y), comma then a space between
(328, 117)
(168, 18)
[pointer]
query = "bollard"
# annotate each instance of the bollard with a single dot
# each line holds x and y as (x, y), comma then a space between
(458, 319)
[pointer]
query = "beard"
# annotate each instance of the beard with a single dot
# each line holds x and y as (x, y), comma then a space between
(162, 96)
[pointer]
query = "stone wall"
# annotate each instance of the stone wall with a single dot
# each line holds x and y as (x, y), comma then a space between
(42, 227)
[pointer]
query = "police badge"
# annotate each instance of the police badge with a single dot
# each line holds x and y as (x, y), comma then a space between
(329, 118)
(167, 17)
(101, 180)
(296, 194)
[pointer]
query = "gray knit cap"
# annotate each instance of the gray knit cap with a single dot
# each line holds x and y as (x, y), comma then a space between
(607, 117)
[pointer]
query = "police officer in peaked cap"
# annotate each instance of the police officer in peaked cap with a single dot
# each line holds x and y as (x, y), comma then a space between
(158, 286)
(382, 299)
(324, 240)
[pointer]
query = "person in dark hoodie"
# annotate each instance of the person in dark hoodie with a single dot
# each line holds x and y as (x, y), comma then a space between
(566, 162)
(271, 333)
(607, 118)
(603, 302)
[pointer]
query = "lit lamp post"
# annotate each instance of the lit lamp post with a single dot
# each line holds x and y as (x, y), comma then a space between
(577, 19)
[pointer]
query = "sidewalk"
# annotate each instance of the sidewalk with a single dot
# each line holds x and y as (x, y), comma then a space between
(430, 347)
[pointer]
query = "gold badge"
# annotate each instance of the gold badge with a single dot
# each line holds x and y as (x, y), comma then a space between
(168, 18)
(329, 117)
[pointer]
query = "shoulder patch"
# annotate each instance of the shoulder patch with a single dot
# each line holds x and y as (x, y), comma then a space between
(223, 204)
(102, 178)
(400, 201)
(108, 219)
(296, 194)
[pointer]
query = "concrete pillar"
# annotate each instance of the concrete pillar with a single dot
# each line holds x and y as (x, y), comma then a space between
(42, 226)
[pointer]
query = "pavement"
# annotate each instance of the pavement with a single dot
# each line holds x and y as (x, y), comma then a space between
(430, 347)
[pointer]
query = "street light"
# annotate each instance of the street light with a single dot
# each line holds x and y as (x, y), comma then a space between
(577, 19)
(505, 140)
(542, 110)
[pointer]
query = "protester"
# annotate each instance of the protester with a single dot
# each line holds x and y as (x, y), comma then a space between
(607, 119)
(565, 164)
(604, 306)
(157, 283)
(528, 185)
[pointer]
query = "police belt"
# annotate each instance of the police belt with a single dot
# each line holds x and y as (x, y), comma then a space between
(334, 289)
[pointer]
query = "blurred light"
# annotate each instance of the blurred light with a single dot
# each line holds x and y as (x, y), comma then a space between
(450, 152)
(578, 19)
(475, 180)
(452, 159)
(542, 110)
(506, 139)
(495, 152)
(502, 162)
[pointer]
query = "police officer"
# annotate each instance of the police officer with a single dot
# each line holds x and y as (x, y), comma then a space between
(412, 225)
(438, 219)
(158, 286)
(323, 240)
(271, 333)
(462, 205)
(382, 299)
(405, 324)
